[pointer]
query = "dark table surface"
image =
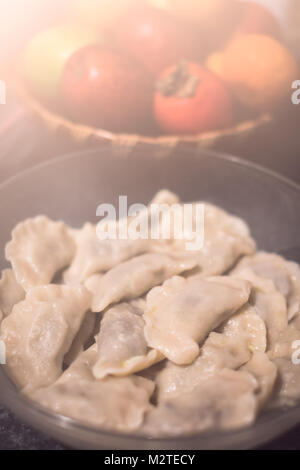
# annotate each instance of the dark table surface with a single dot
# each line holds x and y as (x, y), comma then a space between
(24, 142)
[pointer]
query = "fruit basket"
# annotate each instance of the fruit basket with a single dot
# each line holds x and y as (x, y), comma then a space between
(211, 74)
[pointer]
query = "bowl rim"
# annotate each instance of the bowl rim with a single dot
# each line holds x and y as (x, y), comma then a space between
(64, 422)
(69, 424)
(224, 156)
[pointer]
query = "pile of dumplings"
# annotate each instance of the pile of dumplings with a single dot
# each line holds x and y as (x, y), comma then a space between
(145, 337)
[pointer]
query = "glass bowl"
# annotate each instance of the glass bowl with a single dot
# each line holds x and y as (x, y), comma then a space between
(71, 188)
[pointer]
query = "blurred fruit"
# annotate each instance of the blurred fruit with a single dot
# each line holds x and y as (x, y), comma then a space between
(216, 18)
(21, 19)
(163, 4)
(102, 88)
(256, 19)
(225, 16)
(190, 99)
(203, 10)
(46, 55)
(101, 13)
(156, 38)
(214, 63)
(260, 71)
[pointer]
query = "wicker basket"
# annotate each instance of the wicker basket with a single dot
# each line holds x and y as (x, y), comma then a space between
(226, 140)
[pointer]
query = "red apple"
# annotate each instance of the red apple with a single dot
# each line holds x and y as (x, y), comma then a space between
(46, 56)
(102, 88)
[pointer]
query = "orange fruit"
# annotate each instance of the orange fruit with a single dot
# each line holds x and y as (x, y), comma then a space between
(214, 63)
(260, 71)
(256, 19)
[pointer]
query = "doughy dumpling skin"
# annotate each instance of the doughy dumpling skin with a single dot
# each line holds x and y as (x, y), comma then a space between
(223, 401)
(269, 303)
(265, 373)
(285, 275)
(226, 239)
(115, 403)
(40, 330)
(283, 354)
(164, 196)
(134, 278)
(139, 305)
(157, 336)
(94, 255)
(230, 348)
(84, 337)
(11, 292)
(181, 313)
(277, 306)
(121, 344)
(38, 250)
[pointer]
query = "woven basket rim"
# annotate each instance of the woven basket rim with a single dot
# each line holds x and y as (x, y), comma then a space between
(82, 132)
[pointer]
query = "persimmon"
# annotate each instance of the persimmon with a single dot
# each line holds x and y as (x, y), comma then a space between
(190, 99)
(259, 70)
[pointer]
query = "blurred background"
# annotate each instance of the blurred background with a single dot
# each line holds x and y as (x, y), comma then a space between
(34, 128)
